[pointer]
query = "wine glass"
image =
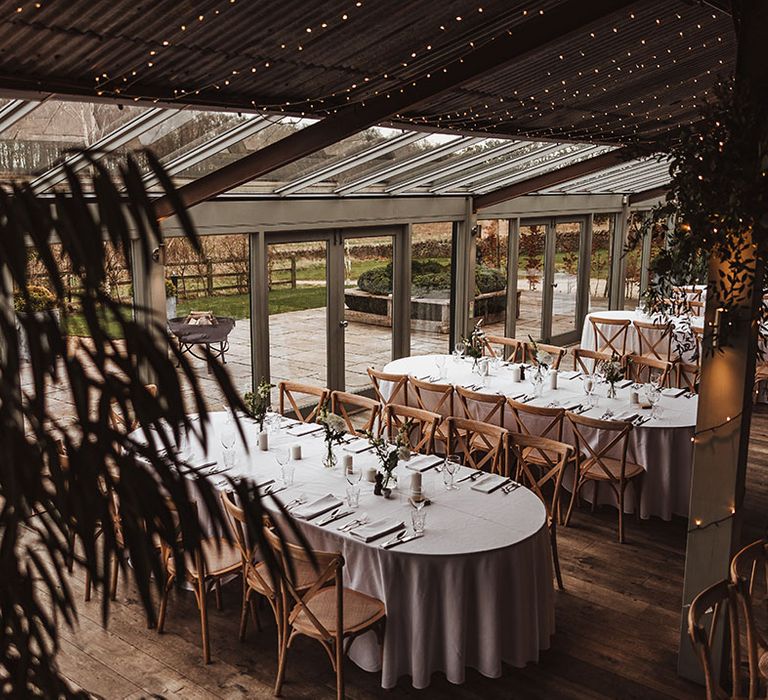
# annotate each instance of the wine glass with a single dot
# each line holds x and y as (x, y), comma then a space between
(451, 465)
(589, 389)
(440, 361)
(653, 391)
(283, 459)
(272, 423)
(228, 438)
(458, 351)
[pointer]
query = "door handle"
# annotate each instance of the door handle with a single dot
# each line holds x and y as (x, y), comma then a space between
(343, 324)
(554, 284)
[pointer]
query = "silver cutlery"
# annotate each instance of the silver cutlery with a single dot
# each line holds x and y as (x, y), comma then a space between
(402, 540)
(474, 476)
(273, 489)
(507, 482)
(352, 524)
(394, 540)
(295, 503)
(333, 517)
(518, 397)
(510, 487)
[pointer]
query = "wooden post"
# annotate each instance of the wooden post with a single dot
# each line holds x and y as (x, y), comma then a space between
(293, 272)
(401, 293)
(259, 307)
(209, 276)
(727, 377)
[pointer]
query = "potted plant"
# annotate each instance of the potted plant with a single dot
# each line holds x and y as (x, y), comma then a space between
(171, 296)
(334, 430)
(37, 302)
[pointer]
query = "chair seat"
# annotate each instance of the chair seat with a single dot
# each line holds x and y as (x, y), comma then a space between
(306, 575)
(590, 469)
(534, 455)
(762, 664)
(361, 611)
(220, 558)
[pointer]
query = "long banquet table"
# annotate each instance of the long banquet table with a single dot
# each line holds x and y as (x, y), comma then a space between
(476, 591)
(662, 445)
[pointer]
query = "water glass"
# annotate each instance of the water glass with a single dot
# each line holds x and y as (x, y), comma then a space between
(441, 361)
(272, 423)
(287, 472)
(590, 381)
(653, 391)
(418, 519)
(353, 475)
(229, 457)
(353, 495)
(450, 467)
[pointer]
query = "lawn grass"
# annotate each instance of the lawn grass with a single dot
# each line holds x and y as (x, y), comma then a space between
(281, 300)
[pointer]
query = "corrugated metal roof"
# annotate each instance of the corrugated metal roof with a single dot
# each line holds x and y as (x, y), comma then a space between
(642, 72)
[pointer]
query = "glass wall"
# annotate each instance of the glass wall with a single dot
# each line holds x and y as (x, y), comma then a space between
(600, 261)
(367, 308)
(565, 278)
(431, 283)
(490, 303)
(530, 278)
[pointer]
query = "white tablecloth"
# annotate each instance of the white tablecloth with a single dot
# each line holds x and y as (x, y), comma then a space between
(475, 591)
(682, 337)
(663, 446)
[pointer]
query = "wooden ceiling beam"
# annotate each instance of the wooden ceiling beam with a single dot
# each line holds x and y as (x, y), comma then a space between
(645, 195)
(555, 177)
(520, 41)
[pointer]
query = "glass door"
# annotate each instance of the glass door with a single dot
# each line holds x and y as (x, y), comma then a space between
(531, 278)
(565, 288)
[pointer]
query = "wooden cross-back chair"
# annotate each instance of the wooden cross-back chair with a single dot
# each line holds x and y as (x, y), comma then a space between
(610, 334)
(476, 405)
(398, 390)
(351, 406)
(214, 559)
(422, 426)
(555, 455)
(654, 339)
(437, 398)
(481, 445)
(127, 422)
(718, 604)
(326, 611)
(586, 360)
(292, 391)
(692, 293)
(510, 350)
(538, 421)
(749, 575)
(696, 308)
(648, 369)
(597, 461)
(687, 376)
(698, 336)
(529, 355)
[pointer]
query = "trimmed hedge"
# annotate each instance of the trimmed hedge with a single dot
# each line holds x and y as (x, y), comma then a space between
(428, 276)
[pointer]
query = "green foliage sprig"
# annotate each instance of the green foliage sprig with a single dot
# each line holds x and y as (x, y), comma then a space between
(258, 402)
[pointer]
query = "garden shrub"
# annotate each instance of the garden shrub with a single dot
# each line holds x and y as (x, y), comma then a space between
(40, 299)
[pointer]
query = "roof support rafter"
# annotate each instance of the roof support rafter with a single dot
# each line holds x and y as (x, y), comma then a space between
(450, 169)
(350, 162)
(540, 182)
(101, 147)
(552, 164)
(646, 195)
(15, 111)
(608, 176)
(409, 164)
(562, 20)
(205, 150)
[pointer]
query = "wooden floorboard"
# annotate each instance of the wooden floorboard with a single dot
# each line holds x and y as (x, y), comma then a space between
(617, 628)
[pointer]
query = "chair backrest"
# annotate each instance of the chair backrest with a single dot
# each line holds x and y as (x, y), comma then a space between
(749, 572)
(364, 409)
(422, 426)
(329, 567)
(437, 398)
(481, 445)
(540, 421)
(127, 422)
(487, 408)
(511, 349)
(698, 334)
(654, 339)
(237, 523)
(707, 610)
(395, 386)
(687, 376)
(610, 334)
(558, 353)
(549, 466)
(647, 369)
(586, 360)
(305, 411)
(692, 292)
(696, 308)
(600, 440)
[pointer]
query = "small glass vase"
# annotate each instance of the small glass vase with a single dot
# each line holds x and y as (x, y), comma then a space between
(537, 379)
(611, 391)
(329, 460)
(388, 483)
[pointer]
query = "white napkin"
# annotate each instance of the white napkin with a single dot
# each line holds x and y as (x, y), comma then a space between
(357, 446)
(570, 405)
(673, 393)
(316, 507)
(378, 528)
(624, 383)
(420, 463)
(569, 374)
(303, 429)
(486, 484)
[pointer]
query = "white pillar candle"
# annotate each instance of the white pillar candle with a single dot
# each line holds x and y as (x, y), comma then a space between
(416, 483)
(588, 384)
(263, 441)
(346, 463)
(295, 452)
(634, 398)
(370, 474)
(552, 379)
(516, 373)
